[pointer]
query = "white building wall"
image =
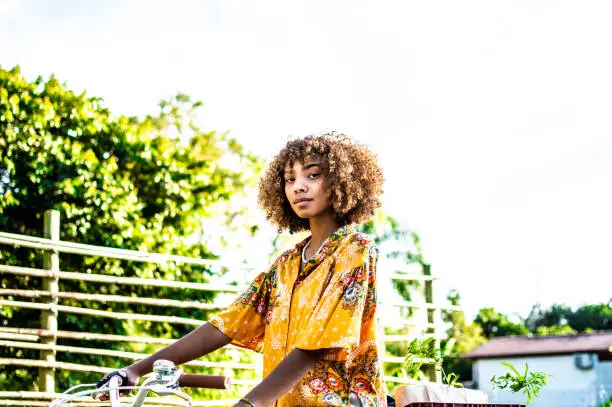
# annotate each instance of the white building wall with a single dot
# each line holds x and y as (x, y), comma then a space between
(604, 378)
(568, 387)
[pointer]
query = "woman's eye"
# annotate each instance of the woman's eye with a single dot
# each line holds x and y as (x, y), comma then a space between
(289, 180)
(315, 175)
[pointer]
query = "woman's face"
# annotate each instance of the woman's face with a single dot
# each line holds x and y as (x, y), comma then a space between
(306, 188)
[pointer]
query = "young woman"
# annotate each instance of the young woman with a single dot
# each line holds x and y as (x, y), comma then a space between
(312, 314)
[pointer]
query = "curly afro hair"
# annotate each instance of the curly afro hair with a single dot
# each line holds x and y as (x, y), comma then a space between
(355, 180)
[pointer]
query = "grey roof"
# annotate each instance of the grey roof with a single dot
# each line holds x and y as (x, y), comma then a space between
(599, 342)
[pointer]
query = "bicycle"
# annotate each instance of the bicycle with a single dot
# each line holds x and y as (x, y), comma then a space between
(165, 380)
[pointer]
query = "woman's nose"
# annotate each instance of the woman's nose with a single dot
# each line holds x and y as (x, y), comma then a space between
(299, 185)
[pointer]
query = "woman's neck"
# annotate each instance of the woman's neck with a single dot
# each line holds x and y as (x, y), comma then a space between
(321, 228)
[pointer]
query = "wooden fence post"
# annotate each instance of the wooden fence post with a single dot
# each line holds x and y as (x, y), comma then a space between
(48, 319)
(433, 372)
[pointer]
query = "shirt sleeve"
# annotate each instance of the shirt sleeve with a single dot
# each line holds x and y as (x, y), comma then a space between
(245, 319)
(342, 320)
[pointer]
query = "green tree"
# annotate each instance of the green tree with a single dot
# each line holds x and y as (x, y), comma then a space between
(543, 330)
(117, 182)
(496, 324)
(463, 336)
(592, 317)
(595, 317)
(556, 315)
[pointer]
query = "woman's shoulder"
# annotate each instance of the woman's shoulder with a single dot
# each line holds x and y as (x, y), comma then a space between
(363, 239)
(359, 246)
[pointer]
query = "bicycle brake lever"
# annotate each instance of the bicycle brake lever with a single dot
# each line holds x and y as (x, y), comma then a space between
(178, 393)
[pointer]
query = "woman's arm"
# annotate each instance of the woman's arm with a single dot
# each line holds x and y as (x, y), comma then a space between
(198, 342)
(282, 379)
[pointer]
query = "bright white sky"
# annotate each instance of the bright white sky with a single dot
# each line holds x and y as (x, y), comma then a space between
(491, 118)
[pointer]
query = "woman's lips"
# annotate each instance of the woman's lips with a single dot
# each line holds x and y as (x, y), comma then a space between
(302, 202)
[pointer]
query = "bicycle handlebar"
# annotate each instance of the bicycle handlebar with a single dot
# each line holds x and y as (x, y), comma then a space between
(165, 380)
(204, 381)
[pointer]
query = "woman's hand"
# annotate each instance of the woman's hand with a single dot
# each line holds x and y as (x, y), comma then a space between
(128, 378)
(133, 378)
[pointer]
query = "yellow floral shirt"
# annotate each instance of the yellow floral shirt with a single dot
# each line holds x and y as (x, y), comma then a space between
(330, 304)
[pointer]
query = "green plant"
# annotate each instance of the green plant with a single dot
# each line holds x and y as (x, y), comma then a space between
(451, 379)
(530, 383)
(421, 352)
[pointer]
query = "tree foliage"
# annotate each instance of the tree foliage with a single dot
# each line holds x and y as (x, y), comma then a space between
(554, 330)
(463, 336)
(590, 317)
(143, 184)
(495, 323)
